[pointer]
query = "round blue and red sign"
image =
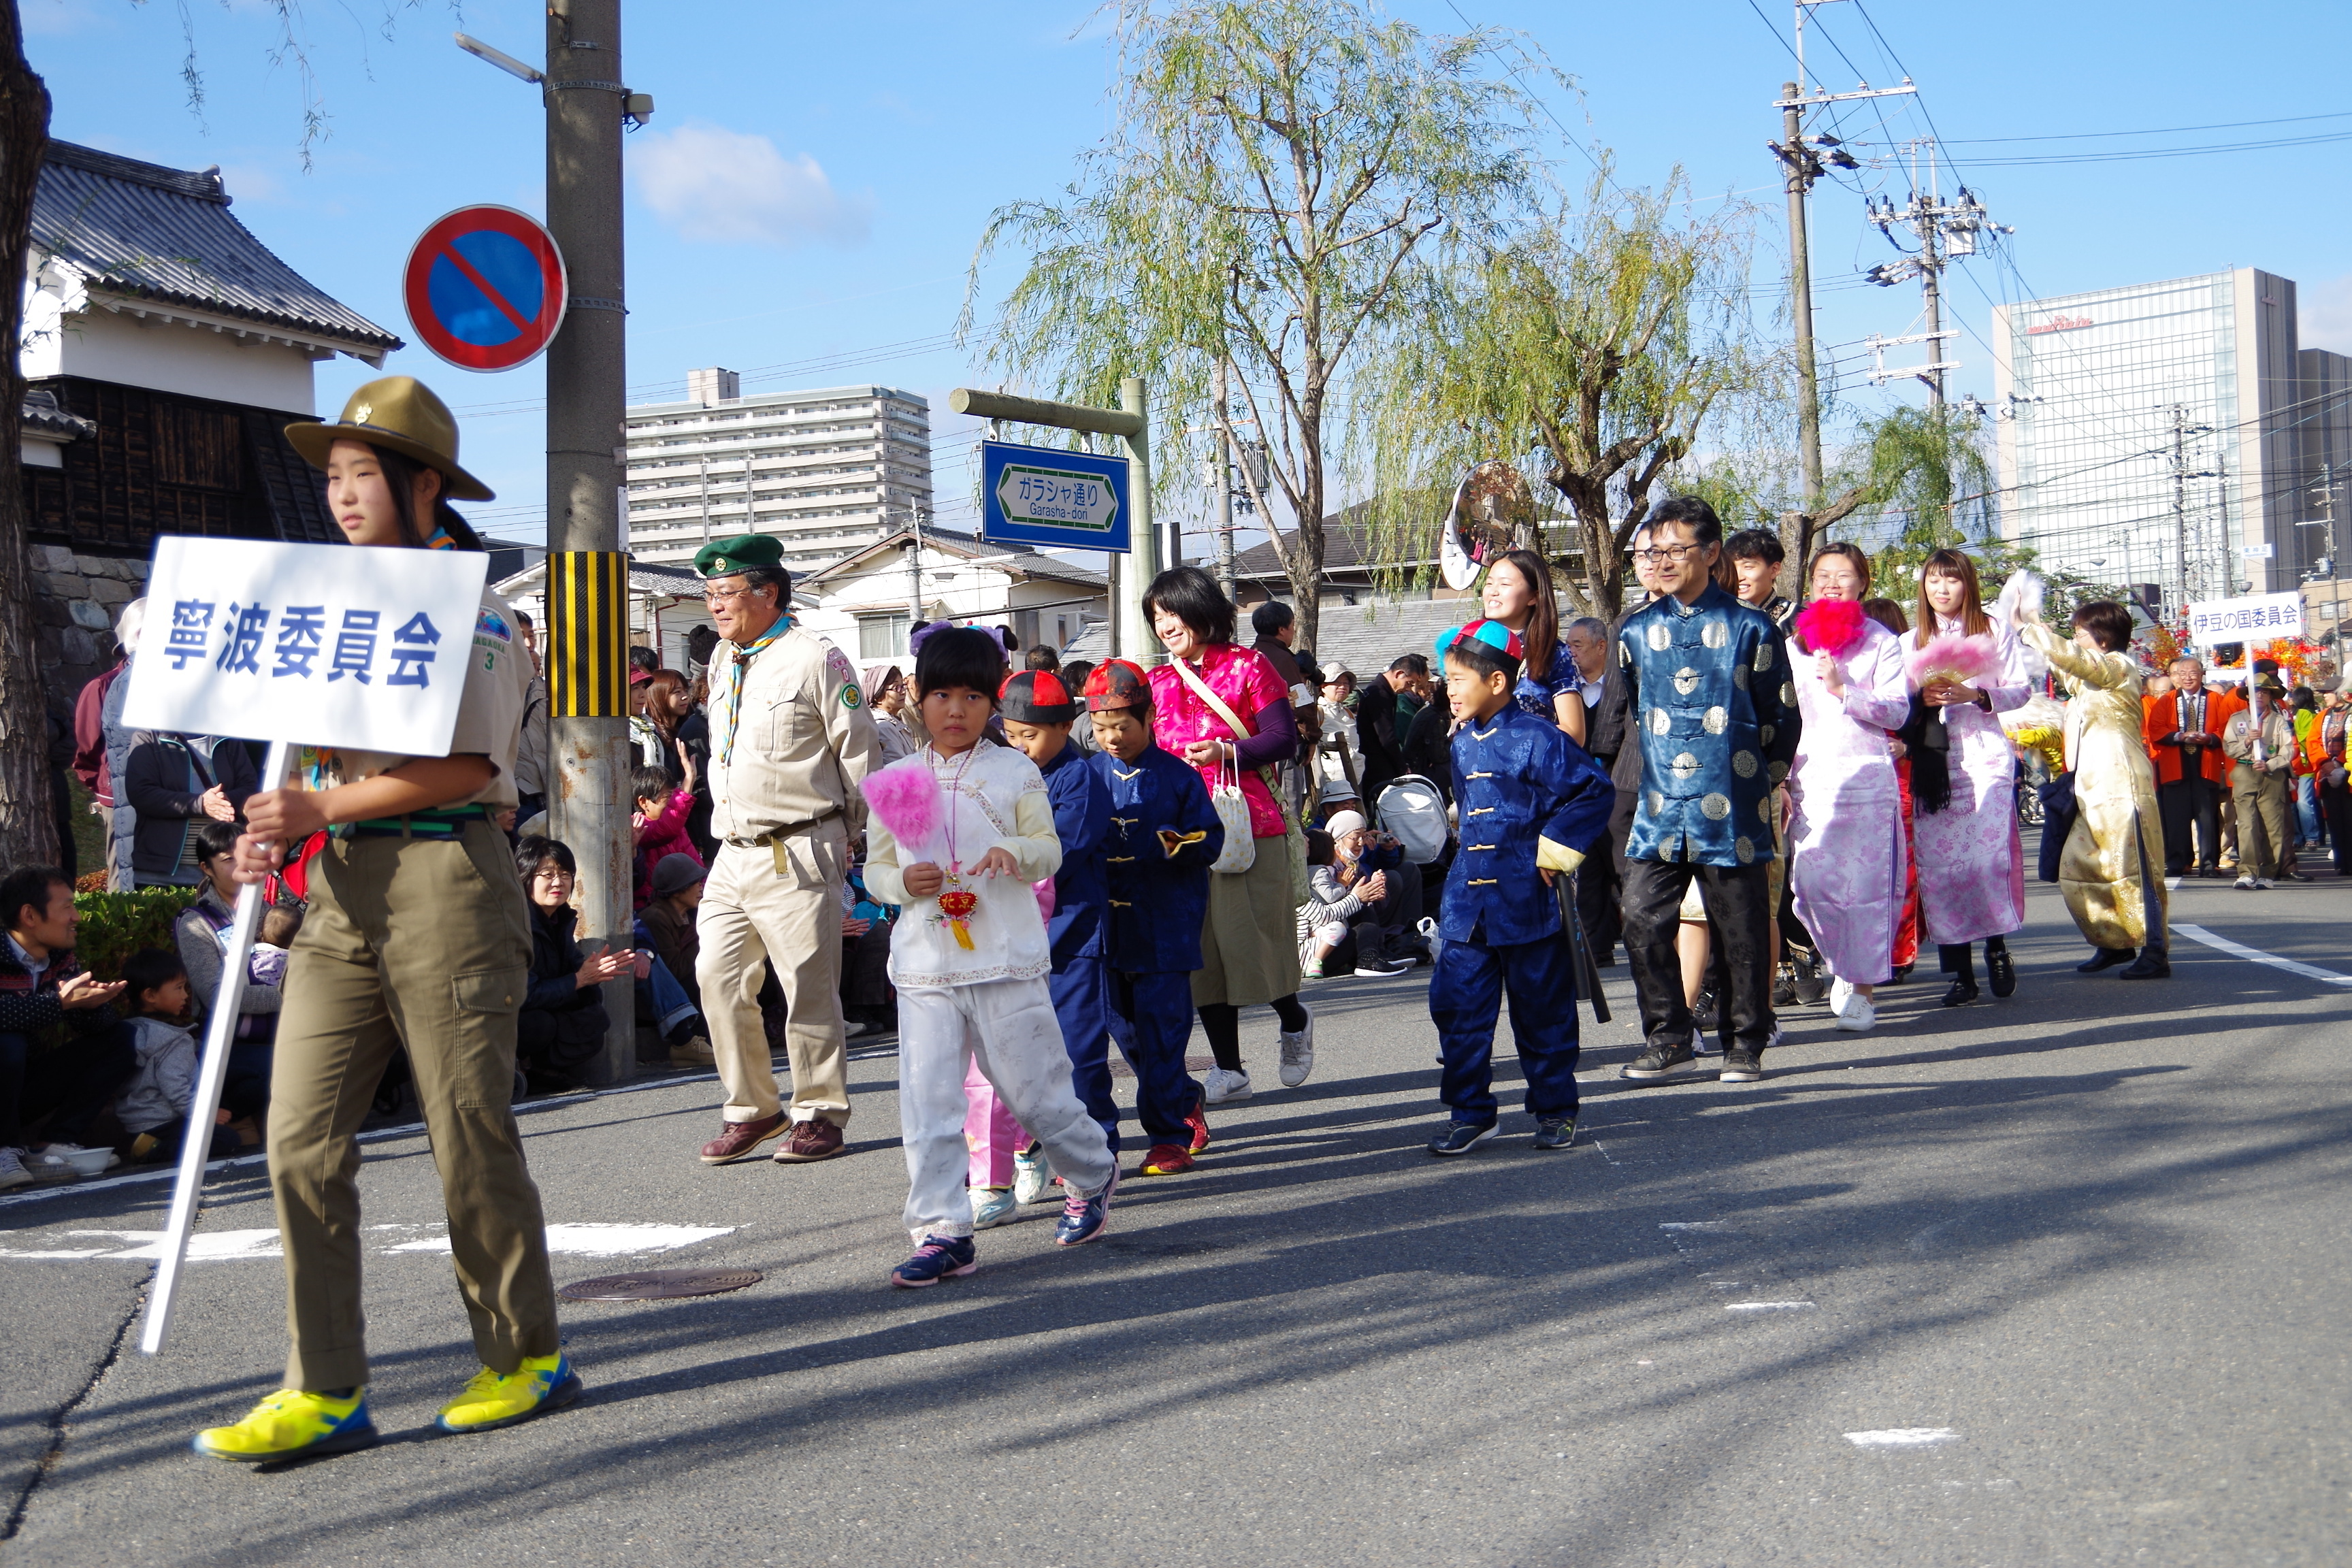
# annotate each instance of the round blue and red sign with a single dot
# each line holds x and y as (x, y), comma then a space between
(486, 289)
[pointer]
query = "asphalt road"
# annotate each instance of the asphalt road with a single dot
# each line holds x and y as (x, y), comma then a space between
(2056, 1280)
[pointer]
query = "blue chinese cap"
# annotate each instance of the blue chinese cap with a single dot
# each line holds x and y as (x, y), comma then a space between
(1494, 634)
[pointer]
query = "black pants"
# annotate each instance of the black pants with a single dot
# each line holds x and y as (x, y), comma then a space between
(1597, 888)
(2336, 806)
(1738, 907)
(2185, 803)
(69, 1084)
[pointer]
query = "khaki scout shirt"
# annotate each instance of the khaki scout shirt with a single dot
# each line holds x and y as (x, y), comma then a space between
(490, 715)
(801, 745)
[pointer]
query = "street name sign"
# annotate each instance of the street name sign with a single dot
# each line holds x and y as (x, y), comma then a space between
(486, 288)
(1043, 495)
(314, 645)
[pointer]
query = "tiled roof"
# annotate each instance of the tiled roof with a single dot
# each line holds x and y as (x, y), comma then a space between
(1364, 637)
(1010, 558)
(145, 231)
(41, 415)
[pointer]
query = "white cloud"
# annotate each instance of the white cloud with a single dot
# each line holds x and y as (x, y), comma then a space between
(2323, 315)
(711, 183)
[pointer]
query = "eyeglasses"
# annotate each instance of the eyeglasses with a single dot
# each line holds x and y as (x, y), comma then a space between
(720, 595)
(1665, 553)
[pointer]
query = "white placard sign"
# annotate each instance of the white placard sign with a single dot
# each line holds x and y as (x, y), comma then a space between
(316, 645)
(2258, 617)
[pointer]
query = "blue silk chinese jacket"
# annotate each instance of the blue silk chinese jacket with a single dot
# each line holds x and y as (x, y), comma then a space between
(1164, 836)
(1712, 692)
(1081, 818)
(1530, 800)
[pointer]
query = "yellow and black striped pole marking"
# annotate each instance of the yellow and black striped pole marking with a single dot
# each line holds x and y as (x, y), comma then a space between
(588, 634)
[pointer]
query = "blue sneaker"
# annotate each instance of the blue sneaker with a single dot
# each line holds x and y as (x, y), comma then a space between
(940, 1257)
(1082, 1219)
(1461, 1137)
(1555, 1132)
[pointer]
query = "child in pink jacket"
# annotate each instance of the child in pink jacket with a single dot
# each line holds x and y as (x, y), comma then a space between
(660, 825)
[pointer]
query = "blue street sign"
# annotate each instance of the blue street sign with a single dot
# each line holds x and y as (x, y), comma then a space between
(1043, 495)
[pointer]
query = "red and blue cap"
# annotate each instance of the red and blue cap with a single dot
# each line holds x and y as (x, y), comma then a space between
(1036, 697)
(1118, 683)
(1494, 634)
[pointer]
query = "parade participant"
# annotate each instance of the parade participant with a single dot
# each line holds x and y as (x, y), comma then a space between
(970, 959)
(1845, 827)
(1038, 712)
(1519, 594)
(1710, 683)
(1972, 860)
(1163, 837)
(2325, 750)
(2182, 729)
(790, 743)
(1533, 805)
(414, 853)
(2260, 741)
(1889, 613)
(1756, 557)
(1224, 709)
(2112, 856)
(1603, 691)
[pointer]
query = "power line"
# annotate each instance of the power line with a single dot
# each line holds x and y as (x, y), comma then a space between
(2160, 130)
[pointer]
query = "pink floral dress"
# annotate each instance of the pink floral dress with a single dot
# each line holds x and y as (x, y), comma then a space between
(1246, 680)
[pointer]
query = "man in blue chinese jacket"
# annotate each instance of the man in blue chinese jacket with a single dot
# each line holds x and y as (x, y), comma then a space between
(1717, 711)
(1532, 804)
(1163, 837)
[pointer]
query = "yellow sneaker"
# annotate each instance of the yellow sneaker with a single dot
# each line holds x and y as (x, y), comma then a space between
(491, 1400)
(290, 1424)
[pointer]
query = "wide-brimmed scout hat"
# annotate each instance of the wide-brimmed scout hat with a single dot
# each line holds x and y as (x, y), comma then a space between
(399, 414)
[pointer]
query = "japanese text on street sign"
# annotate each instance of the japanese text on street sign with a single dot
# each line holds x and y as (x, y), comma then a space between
(310, 643)
(2256, 619)
(1038, 495)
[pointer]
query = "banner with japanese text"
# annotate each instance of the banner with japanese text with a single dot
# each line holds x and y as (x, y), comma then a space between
(2257, 617)
(317, 645)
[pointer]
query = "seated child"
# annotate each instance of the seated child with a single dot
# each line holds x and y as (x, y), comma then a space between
(153, 1106)
(660, 825)
(667, 946)
(1533, 804)
(280, 924)
(1164, 836)
(969, 957)
(1362, 907)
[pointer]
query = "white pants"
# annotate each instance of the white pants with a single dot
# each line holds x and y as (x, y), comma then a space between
(1009, 1029)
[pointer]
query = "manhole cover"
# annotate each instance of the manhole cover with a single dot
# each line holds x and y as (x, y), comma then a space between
(659, 1284)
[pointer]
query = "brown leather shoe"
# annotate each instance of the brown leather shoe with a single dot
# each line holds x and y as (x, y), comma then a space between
(741, 1140)
(810, 1141)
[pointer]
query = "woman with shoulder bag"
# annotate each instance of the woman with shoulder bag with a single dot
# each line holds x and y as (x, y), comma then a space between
(1225, 709)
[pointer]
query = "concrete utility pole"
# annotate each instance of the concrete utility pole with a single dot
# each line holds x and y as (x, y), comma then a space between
(1222, 484)
(586, 402)
(1802, 170)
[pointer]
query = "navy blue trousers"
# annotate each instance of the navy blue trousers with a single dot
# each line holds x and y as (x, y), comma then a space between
(1465, 999)
(1081, 993)
(1151, 1019)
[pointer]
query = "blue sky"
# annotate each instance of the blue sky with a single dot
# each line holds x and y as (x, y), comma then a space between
(805, 203)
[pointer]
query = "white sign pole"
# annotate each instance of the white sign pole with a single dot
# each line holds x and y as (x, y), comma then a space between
(220, 1035)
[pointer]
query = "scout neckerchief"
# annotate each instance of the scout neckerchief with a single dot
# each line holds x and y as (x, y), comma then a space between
(735, 684)
(440, 540)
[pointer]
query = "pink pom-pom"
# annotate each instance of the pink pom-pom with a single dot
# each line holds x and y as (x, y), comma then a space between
(1045, 891)
(1831, 625)
(1952, 656)
(905, 798)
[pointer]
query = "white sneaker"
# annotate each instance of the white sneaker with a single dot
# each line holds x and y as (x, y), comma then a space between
(12, 1170)
(1220, 1086)
(992, 1206)
(1298, 1053)
(1780, 1037)
(2263, 882)
(1858, 1016)
(1841, 992)
(51, 1161)
(1033, 1176)
(2246, 883)
(1705, 1045)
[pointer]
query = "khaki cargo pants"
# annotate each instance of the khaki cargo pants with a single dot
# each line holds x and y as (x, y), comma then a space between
(777, 904)
(425, 942)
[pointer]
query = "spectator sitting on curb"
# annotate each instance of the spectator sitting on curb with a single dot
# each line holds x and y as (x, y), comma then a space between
(562, 1026)
(1362, 908)
(667, 946)
(153, 1106)
(69, 1082)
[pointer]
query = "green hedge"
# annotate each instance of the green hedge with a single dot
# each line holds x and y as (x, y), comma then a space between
(116, 925)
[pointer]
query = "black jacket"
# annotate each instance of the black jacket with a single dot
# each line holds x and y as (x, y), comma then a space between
(162, 781)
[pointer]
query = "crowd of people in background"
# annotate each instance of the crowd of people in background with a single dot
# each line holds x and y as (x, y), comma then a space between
(1803, 798)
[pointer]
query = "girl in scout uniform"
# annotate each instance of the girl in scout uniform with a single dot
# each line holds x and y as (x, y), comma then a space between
(417, 935)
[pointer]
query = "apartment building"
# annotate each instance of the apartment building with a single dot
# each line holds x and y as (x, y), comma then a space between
(827, 471)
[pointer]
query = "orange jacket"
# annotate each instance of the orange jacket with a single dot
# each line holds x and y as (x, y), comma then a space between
(2160, 720)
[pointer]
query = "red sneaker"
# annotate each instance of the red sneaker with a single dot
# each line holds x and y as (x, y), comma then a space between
(1166, 1159)
(1199, 1123)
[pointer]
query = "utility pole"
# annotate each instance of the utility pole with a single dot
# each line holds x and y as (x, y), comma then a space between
(1223, 483)
(2180, 504)
(1945, 230)
(587, 569)
(914, 575)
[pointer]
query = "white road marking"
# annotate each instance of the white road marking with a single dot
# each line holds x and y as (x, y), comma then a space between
(2239, 950)
(1903, 1437)
(1696, 1225)
(1768, 1306)
(581, 1238)
(2172, 882)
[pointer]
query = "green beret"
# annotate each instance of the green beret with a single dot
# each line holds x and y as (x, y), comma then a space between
(725, 557)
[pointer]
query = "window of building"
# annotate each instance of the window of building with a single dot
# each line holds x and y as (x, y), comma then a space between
(883, 637)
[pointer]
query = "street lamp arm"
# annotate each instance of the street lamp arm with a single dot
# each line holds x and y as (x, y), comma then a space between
(500, 58)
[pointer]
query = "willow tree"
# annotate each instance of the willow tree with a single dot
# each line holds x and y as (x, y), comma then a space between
(1590, 346)
(1267, 197)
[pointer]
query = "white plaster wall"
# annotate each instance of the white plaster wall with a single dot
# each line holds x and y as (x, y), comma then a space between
(166, 356)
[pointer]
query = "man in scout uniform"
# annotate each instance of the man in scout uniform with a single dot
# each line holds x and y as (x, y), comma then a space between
(790, 743)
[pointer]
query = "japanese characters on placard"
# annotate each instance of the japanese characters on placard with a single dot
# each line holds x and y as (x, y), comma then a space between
(2254, 618)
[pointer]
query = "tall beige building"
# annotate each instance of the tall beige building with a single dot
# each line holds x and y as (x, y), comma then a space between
(826, 472)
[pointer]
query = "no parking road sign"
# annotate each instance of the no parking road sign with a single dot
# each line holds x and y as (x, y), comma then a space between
(486, 289)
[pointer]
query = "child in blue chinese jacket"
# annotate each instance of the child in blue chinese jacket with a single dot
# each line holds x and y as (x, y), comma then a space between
(1532, 804)
(1163, 837)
